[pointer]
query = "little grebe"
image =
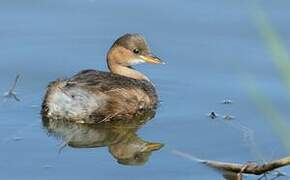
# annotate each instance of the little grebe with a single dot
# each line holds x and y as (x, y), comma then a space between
(122, 93)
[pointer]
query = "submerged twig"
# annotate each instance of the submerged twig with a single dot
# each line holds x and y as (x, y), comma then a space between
(11, 92)
(109, 117)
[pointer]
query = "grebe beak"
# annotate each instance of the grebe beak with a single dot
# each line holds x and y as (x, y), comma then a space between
(152, 59)
(153, 147)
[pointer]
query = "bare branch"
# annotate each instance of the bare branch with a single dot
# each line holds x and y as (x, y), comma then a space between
(251, 168)
(248, 168)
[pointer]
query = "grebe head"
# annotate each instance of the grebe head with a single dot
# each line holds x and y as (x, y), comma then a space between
(134, 151)
(129, 50)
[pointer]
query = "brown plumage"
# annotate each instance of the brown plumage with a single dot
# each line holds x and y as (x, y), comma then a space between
(101, 96)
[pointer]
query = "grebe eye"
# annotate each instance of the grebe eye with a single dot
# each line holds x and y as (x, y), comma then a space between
(136, 51)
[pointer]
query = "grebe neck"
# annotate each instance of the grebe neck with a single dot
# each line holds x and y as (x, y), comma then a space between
(127, 71)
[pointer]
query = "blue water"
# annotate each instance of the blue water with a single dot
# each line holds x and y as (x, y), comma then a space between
(211, 48)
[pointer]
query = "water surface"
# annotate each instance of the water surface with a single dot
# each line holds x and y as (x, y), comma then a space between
(210, 47)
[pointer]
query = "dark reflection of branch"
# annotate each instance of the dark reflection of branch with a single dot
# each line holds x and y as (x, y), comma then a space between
(232, 176)
(11, 92)
(120, 136)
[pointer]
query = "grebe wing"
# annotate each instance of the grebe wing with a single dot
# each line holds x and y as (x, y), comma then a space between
(122, 92)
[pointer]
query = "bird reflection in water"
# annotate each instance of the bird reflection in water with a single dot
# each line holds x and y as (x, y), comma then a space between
(120, 136)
